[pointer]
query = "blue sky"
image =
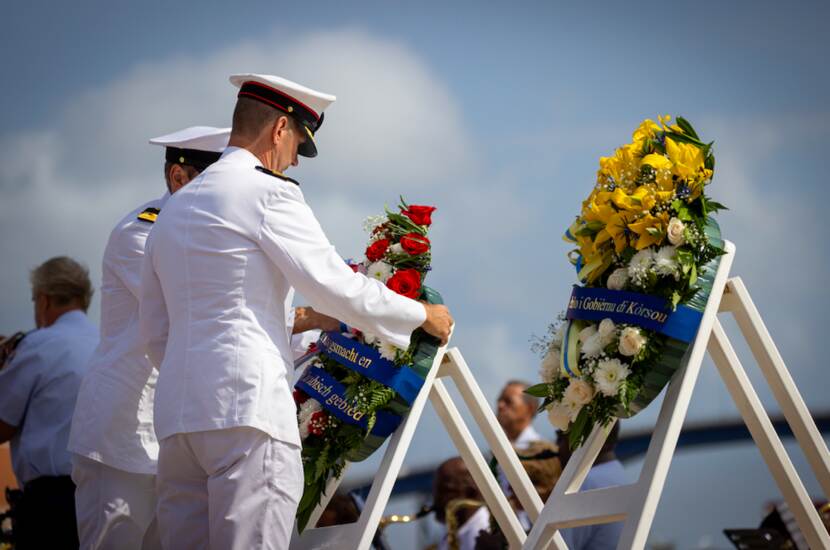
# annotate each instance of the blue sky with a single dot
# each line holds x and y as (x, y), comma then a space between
(496, 113)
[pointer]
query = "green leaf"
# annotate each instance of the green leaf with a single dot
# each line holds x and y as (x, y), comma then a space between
(675, 299)
(576, 431)
(714, 206)
(686, 127)
(685, 139)
(693, 275)
(539, 390)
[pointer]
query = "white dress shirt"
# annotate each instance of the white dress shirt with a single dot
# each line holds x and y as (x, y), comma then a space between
(222, 264)
(528, 436)
(38, 389)
(113, 421)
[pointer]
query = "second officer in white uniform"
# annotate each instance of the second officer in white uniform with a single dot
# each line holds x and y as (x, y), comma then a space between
(221, 268)
(112, 439)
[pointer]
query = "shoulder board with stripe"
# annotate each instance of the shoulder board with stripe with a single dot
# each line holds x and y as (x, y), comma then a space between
(279, 175)
(149, 215)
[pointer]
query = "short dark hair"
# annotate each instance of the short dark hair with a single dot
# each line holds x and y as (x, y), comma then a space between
(251, 116)
(530, 400)
(192, 171)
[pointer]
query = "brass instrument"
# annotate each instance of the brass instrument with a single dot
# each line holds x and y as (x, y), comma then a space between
(453, 508)
(408, 518)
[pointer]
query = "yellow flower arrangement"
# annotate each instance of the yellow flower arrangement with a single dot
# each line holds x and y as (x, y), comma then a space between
(629, 206)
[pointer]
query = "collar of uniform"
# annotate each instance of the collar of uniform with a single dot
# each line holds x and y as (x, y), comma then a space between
(240, 155)
(70, 316)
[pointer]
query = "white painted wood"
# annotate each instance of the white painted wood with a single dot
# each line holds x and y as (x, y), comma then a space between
(359, 534)
(768, 442)
(451, 365)
(456, 369)
(781, 383)
(637, 503)
(477, 465)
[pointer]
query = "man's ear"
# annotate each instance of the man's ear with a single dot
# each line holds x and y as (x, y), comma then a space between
(178, 177)
(281, 124)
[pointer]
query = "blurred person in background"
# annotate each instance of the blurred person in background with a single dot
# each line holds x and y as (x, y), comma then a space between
(38, 390)
(459, 505)
(607, 471)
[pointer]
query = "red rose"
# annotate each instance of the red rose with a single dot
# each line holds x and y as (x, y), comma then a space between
(317, 423)
(406, 282)
(414, 243)
(300, 397)
(419, 214)
(377, 249)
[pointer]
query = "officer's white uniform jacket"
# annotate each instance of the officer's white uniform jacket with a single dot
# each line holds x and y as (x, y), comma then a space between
(113, 421)
(222, 264)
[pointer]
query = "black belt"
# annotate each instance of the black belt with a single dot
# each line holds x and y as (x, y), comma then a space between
(48, 483)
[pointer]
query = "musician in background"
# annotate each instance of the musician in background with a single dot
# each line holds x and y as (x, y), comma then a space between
(459, 505)
(38, 389)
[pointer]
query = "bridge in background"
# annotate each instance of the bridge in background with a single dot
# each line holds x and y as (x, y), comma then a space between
(630, 447)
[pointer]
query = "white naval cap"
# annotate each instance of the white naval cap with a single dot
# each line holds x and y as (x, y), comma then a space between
(304, 104)
(198, 146)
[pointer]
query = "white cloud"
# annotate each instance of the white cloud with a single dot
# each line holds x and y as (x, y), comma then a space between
(395, 127)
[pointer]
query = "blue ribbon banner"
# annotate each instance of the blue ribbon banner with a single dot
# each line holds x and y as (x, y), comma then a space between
(367, 361)
(331, 394)
(649, 312)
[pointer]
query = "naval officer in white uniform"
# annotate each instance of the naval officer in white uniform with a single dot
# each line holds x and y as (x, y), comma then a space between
(112, 439)
(217, 285)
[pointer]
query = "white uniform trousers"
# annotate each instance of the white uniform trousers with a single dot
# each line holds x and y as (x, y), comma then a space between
(229, 489)
(114, 508)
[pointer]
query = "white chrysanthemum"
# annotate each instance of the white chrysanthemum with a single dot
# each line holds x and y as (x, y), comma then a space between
(618, 279)
(396, 249)
(572, 407)
(388, 351)
(380, 271)
(640, 263)
(593, 346)
(609, 375)
(369, 338)
(549, 369)
(559, 415)
(665, 262)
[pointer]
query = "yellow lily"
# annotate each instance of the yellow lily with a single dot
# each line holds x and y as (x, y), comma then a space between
(638, 201)
(597, 211)
(641, 227)
(647, 130)
(687, 159)
(657, 161)
(615, 230)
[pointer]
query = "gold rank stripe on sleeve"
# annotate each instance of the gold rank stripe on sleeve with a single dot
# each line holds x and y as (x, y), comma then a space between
(276, 174)
(149, 215)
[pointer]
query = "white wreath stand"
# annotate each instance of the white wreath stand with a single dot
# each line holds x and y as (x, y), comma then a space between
(448, 364)
(636, 504)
